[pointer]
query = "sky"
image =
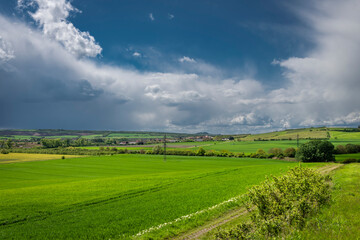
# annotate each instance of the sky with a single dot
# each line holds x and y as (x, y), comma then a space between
(220, 66)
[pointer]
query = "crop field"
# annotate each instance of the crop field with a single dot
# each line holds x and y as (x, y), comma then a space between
(133, 135)
(115, 197)
(345, 135)
(291, 134)
(28, 157)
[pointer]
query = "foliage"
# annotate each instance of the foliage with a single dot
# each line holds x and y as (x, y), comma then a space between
(4, 151)
(316, 151)
(341, 220)
(276, 151)
(340, 149)
(115, 197)
(157, 150)
(200, 152)
(290, 152)
(282, 204)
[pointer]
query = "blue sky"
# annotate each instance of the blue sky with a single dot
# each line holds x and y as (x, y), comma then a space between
(185, 66)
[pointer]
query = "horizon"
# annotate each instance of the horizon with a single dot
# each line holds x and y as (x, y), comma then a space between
(181, 66)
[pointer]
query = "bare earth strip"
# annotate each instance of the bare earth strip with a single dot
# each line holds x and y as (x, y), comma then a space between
(201, 231)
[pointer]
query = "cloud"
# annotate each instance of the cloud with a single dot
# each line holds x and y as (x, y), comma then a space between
(6, 52)
(137, 54)
(187, 59)
(51, 15)
(151, 16)
(43, 84)
(171, 16)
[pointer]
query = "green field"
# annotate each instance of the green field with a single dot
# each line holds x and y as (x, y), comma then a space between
(342, 157)
(253, 146)
(115, 197)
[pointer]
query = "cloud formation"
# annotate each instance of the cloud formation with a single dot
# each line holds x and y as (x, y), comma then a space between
(186, 59)
(51, 15)
(44, 83)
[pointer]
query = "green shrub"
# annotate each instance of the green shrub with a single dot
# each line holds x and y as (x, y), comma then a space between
(200, 152)
(350, 160)
(4, 151)
(282, 204)
(290, 152)
(340, 149)
(316, 151)
(275, 151)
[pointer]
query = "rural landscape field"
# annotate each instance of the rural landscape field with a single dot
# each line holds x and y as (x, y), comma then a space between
(117, 195)
(181, 119)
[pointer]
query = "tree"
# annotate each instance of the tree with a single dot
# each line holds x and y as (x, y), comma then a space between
(290, 152)
(158, 150)
(276, 151)
(200, 152)
(316, 151)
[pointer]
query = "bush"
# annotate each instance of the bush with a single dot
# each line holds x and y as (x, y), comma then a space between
(157, 150)
(275, 151)
(200, 152)
(316, 151)
(340, 149)
(290, 152)
(282, 204)
(260, 153)
(350, 160)
(4, 151)
(351, 148)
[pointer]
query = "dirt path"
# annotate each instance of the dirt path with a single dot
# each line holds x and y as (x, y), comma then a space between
(201, 231)
(329, 168)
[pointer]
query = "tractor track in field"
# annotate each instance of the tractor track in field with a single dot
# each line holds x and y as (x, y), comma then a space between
(99, 202)
(200, 232)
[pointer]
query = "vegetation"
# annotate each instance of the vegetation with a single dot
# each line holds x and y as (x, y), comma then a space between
(341, 220)
(316, 151)
(25, 157)
(119, 196)
(282, 205)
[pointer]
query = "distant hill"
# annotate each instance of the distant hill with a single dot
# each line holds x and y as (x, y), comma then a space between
(307, 133)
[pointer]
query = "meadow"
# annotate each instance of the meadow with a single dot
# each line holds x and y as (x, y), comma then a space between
(116, 197)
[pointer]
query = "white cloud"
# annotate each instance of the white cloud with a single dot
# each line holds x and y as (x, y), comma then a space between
(171, 16)
(6, 51)
(137, 54)
(320, 88)
(51, 15)
(151, 16)
(187, 59)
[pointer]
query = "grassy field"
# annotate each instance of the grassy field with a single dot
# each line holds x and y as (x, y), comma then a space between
(29, 157)
(342, 157)
(115, 197)
(291, 134)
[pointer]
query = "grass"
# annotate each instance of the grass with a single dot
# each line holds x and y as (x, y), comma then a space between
(342, 157)
(341, 220)
(29, 157)
(117, 196)
(133, 135)
(291, 134)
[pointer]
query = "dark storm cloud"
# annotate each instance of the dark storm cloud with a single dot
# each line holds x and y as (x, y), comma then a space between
(47, 83)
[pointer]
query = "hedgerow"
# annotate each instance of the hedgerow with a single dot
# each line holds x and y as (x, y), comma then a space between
(281, 205)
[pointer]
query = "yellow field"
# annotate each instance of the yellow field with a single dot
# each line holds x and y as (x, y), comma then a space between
(28, 157)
